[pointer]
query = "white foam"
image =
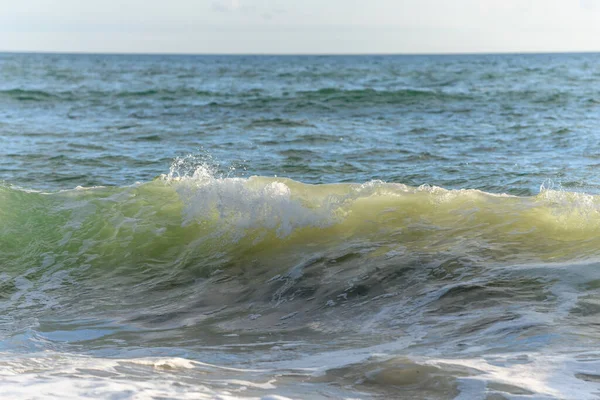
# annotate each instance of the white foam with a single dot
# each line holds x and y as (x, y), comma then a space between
(52, 375)
(547, 376)
(241, 203)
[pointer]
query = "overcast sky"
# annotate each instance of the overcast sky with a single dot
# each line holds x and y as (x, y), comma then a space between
(299, 26)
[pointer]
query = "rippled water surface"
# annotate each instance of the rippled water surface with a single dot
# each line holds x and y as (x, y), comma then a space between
(499, 123)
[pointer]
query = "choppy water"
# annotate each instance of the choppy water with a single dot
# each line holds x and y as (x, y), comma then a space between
(300, 227)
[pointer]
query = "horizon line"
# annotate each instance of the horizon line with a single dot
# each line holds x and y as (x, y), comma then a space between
(316, 54)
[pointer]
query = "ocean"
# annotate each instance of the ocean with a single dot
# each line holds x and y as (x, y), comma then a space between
(300, 227)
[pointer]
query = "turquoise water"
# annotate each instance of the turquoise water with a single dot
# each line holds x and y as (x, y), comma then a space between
(299, 226)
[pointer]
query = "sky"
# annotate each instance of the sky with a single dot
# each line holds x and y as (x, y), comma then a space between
(299, 26)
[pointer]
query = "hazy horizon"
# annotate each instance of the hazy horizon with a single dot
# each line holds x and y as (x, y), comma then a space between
(133, 53)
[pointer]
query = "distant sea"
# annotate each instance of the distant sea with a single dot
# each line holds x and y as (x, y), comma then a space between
(300, 227)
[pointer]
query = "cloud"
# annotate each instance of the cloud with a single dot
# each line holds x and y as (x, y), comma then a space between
(266, 9)
(226, 5)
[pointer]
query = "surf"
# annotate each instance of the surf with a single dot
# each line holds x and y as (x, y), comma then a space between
(199, 256)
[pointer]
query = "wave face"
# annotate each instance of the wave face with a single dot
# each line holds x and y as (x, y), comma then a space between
(189, 260)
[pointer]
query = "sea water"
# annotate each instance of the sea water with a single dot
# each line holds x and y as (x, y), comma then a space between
(300, 227)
